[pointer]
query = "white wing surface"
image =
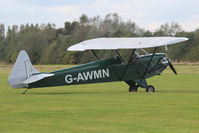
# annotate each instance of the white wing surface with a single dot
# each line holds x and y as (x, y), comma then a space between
(125, 43)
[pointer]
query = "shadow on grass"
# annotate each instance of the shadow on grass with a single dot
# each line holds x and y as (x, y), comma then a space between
(73, 93)
(111, 92)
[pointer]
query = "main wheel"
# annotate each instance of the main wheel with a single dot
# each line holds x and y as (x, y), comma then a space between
(130, 89)
(133, 89)
(150, 88)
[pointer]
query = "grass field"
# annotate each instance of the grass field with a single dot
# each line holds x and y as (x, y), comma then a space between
(104, 108)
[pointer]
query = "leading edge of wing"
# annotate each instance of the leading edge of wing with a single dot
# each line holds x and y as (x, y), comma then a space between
(125, 43)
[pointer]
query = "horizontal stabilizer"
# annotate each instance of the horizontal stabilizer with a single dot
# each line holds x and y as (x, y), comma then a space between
(35, 78)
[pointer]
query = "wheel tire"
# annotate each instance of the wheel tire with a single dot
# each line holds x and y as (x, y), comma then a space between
(150, 88)
(135, 89)
(131, 89)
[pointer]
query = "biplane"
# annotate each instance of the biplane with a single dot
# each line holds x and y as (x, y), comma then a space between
(133, 72)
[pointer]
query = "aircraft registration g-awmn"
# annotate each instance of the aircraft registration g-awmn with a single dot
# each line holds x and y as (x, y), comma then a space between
(134, 72)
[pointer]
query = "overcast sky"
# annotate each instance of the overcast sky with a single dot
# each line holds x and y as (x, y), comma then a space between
(149, 14)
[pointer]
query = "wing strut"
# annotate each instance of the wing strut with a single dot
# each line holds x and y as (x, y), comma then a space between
(128, 64)
(120, 56)
(95, 54)
(148, 66)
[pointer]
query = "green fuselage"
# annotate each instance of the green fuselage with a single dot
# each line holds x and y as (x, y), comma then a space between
(107, 70)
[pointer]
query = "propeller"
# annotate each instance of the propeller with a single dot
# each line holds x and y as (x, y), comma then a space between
(167, 61)
(172, 68)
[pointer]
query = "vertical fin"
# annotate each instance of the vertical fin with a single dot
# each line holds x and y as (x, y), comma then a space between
(21, 70)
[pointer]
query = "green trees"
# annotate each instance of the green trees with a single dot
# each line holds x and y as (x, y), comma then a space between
(47, 45)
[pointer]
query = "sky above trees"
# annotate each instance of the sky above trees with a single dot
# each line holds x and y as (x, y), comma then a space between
(149, 14)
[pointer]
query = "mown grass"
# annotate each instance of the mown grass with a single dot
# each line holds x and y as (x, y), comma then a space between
(104, 108)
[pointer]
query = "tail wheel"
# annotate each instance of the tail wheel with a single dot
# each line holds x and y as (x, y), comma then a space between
(150, 88)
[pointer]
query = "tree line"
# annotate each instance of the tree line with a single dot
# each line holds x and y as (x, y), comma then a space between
(47, 44)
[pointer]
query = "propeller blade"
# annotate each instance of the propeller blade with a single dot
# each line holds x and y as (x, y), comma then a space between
(172, 68)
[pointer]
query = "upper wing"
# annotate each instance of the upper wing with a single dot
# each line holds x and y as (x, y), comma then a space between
(125, 43)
